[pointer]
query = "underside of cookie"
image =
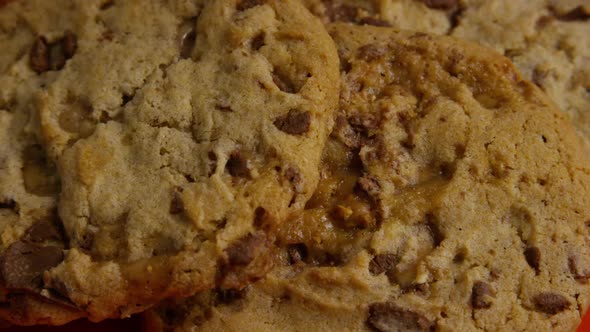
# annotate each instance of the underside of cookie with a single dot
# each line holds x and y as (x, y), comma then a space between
(454, 196)
(177, 129)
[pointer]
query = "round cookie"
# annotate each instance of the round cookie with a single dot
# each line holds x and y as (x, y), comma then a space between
(454, 196)
(178, 129)
(546, 39)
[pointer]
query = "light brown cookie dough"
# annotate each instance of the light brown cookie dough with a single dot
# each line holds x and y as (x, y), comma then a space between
(29, 183)
(454, 197)
(548, 40)
(183, 132)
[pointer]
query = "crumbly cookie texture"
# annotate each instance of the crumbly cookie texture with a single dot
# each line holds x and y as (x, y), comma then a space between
(183, 132)
(546, 39)
(29, 183)
(454, 196)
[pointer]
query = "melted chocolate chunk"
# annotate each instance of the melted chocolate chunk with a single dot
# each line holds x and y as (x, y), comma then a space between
(382, 263)
(294, 122)
(344, 131)
(47, 229)
(480, 294)
(342, 13)
(23, 264)
(243, 251)
(39, 55)
(533, 257)
(550, 303)
(46, 56)
(176, 205)
(69, 44)
(238, 165)
(389, 316)
(580, 13)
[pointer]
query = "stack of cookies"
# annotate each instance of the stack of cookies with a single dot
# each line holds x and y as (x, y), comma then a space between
(296, 165)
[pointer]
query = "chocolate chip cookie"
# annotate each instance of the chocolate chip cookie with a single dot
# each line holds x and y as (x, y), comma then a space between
(31, 238)
(181, 134)
(454, 196)
(546, 39)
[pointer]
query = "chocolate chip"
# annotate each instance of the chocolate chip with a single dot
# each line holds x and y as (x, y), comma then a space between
(228, 296)
(550, 303)
(258, 41)
(39, 56)
(238, 165)
(480, 295)
(369, 186)
(580, 13)
(247, 4)
(263, 219)
(243, 251)
(282, 83)
(47, 229)
(370, 52)
(389, 316)
(294, 122)
(69, 44)
(345, 133)
(62, 50)
(434, 230)
(297, 253)
(23, 264)
(176, 205)
(382, 263)
(533, 257)
(440, 4)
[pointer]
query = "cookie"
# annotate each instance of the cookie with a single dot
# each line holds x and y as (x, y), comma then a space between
(29, 183)
(183, 133)
(546, 39)
(454, 196)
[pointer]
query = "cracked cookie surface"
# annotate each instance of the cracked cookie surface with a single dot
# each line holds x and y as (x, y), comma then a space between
(546, 39)
(454, 196)
(177, 130)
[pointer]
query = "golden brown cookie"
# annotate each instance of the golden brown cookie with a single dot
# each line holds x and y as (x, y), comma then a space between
(548, 40)
(183, 132)
(454, 197)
